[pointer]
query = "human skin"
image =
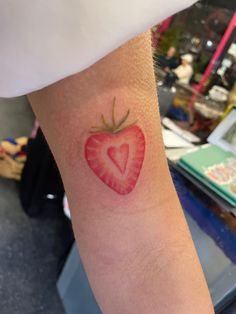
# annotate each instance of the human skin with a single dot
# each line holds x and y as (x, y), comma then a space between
(135, 246)
(171, 52)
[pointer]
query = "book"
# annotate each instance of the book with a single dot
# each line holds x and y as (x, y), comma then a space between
(214, 167)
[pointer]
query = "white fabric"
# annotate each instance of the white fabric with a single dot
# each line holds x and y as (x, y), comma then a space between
(188, 57)
(184, 73)
(45, 41)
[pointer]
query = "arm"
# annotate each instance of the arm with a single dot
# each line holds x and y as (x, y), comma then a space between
(127, 220)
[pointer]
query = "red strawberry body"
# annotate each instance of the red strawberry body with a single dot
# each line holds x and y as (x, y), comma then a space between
(117, 158)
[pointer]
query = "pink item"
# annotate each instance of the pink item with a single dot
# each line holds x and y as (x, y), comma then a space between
(217, 53)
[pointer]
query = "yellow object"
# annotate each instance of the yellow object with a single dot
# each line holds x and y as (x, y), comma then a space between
(20, 158)
(10, 148)
(9, 168)
(22, 140)
(14, 148)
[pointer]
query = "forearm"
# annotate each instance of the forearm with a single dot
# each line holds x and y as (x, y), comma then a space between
(131, 232)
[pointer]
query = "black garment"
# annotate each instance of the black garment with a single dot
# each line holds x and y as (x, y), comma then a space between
(164, 62)
(170, 79)
(40, 177)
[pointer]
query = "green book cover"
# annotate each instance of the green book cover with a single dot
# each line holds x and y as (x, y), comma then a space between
(214, 167)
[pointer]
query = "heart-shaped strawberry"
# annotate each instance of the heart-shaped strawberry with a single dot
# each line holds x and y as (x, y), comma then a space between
(119, 156)
(116, 154)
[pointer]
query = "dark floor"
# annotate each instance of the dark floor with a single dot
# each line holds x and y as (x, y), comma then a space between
(29, 248)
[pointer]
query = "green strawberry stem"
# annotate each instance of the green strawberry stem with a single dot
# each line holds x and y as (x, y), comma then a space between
(113, 127)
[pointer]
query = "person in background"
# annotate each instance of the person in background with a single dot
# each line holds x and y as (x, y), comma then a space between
(182, 73)
(169, 61)
(229, 77)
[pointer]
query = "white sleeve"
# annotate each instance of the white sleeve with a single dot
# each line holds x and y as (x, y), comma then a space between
(45, 41)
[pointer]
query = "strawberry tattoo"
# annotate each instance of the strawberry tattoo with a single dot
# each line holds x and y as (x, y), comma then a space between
(115, 153)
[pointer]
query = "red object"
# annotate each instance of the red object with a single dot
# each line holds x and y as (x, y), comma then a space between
(217, 53)
(165, 25)
(2, 150)
(162, 28)
(117, 158)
